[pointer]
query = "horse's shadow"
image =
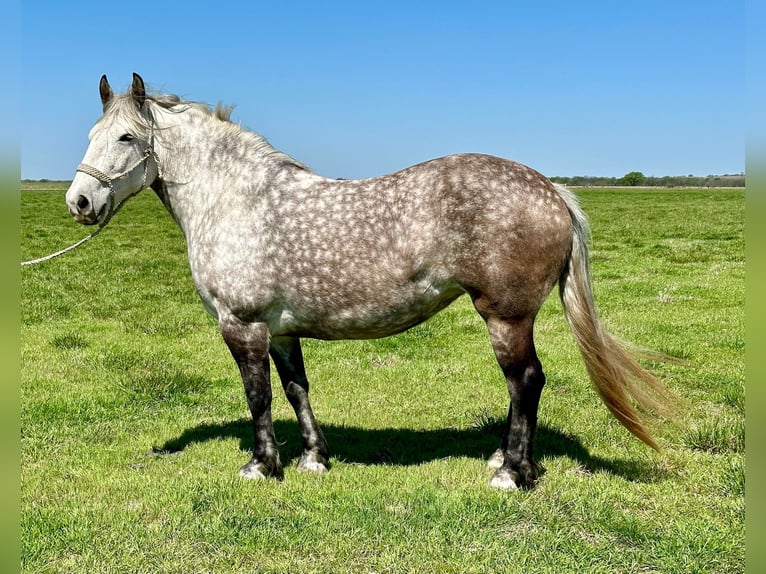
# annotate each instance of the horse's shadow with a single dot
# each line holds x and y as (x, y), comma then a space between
(404, 447)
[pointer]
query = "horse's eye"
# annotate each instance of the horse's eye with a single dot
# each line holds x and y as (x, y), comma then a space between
(126, 138)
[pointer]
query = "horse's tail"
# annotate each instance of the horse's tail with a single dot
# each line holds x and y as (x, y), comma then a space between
(627, 389)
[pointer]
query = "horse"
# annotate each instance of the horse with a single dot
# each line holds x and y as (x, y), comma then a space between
(278, 252)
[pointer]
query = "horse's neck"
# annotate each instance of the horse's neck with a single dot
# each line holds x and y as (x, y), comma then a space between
(207, 166)
(196, 167)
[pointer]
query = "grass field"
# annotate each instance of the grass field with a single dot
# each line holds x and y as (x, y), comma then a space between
(134, 423)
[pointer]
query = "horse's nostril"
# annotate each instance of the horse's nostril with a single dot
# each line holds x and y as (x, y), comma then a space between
(82, 203)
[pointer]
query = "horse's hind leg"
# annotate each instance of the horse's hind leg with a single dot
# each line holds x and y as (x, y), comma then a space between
(288, 358)
(515, 351)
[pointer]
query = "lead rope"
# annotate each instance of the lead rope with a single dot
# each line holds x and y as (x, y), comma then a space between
(105, 179)
(65, 250)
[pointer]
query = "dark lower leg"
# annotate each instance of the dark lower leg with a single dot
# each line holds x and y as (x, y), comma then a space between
(518, 461)
(248, 344)
(498, 457)
(515, 352)
(288, 358)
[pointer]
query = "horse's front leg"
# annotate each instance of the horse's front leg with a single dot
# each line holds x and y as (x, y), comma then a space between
(249, 345)
(288, 358)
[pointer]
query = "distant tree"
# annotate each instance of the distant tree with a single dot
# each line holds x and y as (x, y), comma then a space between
(577, 180)
(636, 178)
(633, 178)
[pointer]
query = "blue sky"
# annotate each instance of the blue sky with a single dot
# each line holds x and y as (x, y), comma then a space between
(356, 89)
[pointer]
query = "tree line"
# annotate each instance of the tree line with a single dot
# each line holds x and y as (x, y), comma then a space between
(636, 178)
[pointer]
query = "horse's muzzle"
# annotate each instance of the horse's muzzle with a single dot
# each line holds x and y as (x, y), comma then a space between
(83, 211)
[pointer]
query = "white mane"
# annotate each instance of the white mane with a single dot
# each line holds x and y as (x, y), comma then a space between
(125, 108)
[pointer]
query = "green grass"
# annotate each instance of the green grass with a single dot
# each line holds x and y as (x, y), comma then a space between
(133, 421)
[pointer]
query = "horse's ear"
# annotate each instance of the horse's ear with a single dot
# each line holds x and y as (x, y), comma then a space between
(137, 90)
(105, 90)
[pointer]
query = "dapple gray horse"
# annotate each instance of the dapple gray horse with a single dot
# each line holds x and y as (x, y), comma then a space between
(278, 253)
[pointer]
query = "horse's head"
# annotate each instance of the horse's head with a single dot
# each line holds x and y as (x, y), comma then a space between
(120, 160)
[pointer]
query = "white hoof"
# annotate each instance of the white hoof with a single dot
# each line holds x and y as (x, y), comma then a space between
(253, 471)
(311, 462)
(503, 481)
(312, 466)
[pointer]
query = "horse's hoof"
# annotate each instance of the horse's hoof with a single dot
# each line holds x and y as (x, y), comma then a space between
(312, 466)
(496, 460)
(525, 477)
(255, 470)
(503, 480)
(311, 463)
(252, 471)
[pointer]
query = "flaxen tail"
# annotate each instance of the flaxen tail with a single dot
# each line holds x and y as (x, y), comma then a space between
(627, 389)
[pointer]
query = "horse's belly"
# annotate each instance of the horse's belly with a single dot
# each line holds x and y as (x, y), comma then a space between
(387, 314)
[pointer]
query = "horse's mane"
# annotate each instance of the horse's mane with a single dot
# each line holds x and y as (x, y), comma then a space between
(125, 107)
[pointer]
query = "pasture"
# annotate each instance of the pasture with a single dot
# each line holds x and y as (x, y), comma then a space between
(134, 423)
